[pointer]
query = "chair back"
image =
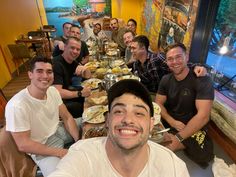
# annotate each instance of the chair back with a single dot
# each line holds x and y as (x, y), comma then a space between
(19, 51)
(48, 26)
(3, 102)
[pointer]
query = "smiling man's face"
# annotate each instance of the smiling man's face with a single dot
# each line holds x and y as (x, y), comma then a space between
(129, 122)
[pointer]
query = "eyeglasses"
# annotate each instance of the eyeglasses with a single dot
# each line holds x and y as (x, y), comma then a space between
(176, 58)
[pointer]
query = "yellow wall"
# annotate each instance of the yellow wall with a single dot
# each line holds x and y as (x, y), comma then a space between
(16, 17)
(126, 9)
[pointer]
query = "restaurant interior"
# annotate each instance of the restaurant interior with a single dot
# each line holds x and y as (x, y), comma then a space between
(26, 31)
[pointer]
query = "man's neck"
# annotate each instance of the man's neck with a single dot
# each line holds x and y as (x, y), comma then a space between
(182, 75)
(121, 160)
(66, 59)
(143, 58)
(36, 93)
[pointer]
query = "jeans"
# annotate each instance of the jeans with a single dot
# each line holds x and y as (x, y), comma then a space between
(47, 164)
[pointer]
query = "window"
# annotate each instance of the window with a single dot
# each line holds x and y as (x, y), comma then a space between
(222, 50)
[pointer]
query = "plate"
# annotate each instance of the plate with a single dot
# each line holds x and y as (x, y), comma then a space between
(98, 98)
(116, 63)
(157, 113)
(112, 52)
(155, 136)
(92, 66)
(129, 77)
(94, 114)
(93, 83)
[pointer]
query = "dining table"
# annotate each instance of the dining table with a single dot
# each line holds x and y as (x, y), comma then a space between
(95, 114)
(33, 40)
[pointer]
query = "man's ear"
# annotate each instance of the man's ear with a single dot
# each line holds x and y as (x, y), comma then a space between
(187, 57)
(107, 119)
(30, 74)
(151, 123)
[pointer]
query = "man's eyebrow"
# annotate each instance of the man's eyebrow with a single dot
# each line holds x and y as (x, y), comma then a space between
(141, 106)
(118, 104)
(123, 105)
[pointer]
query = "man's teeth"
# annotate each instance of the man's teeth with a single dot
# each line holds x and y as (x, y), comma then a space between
(44, 81)
(130, 132)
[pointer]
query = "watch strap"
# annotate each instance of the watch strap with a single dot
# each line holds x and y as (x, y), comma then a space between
(179, 137)
(79, 93)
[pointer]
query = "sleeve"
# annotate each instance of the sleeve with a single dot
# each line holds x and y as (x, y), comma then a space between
(87, 32)
(205, 89)
(56, 95)
(58, 73)
(74, 164)
(17, 117)
(162, 89)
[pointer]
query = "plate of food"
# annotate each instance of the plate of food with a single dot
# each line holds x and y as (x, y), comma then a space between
(100, 72)
(126, 70)
(93, 83)
(157, 113)
(92, 66)
(117, 63)
(95, 114)
(129, 77)
(111, 52)
(155, 136)
(98, 98)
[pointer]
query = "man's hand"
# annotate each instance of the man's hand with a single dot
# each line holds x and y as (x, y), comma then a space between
(86, 92)
(61, 153)
(200, 71)
(83, 71)
(61, 45)
(175, 144)
(177, 125)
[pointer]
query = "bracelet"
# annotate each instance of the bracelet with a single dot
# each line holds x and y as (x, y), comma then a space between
(79, 94)
(179, 138)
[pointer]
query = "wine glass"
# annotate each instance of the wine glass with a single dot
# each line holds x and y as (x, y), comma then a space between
(218, 78)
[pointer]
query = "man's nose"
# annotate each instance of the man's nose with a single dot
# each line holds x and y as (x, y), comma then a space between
(128, 118)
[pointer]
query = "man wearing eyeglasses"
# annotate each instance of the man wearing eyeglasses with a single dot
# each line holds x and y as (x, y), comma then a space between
(186, 101)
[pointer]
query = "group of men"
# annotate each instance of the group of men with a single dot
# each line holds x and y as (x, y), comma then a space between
(184, 93)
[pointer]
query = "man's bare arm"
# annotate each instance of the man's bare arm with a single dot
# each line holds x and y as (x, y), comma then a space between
(27, 145)
(69, 122)
(160, 100)
(66, 94)
(199, 120)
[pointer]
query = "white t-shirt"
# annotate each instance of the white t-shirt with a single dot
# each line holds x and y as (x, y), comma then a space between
(88, 33)
(88, 158)
(41, 117)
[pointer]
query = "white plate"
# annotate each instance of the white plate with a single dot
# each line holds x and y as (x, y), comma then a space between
(94, 114)
(129, 77)
(92, 83)
(92, 64)
(157, 113)
(116, 63)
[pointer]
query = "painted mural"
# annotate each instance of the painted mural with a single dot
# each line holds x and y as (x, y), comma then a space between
(61, 11)
(169, 21)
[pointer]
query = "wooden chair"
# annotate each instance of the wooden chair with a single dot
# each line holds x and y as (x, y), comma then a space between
(19, 52)
(3, 102)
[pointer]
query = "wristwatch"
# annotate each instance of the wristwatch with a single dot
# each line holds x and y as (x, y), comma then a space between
(79, 93)
(179, 138)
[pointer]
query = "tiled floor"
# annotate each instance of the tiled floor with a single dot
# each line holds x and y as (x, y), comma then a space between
(196, 171)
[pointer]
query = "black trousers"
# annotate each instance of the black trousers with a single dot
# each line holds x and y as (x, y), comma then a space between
(75, 106)
(198, 147)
